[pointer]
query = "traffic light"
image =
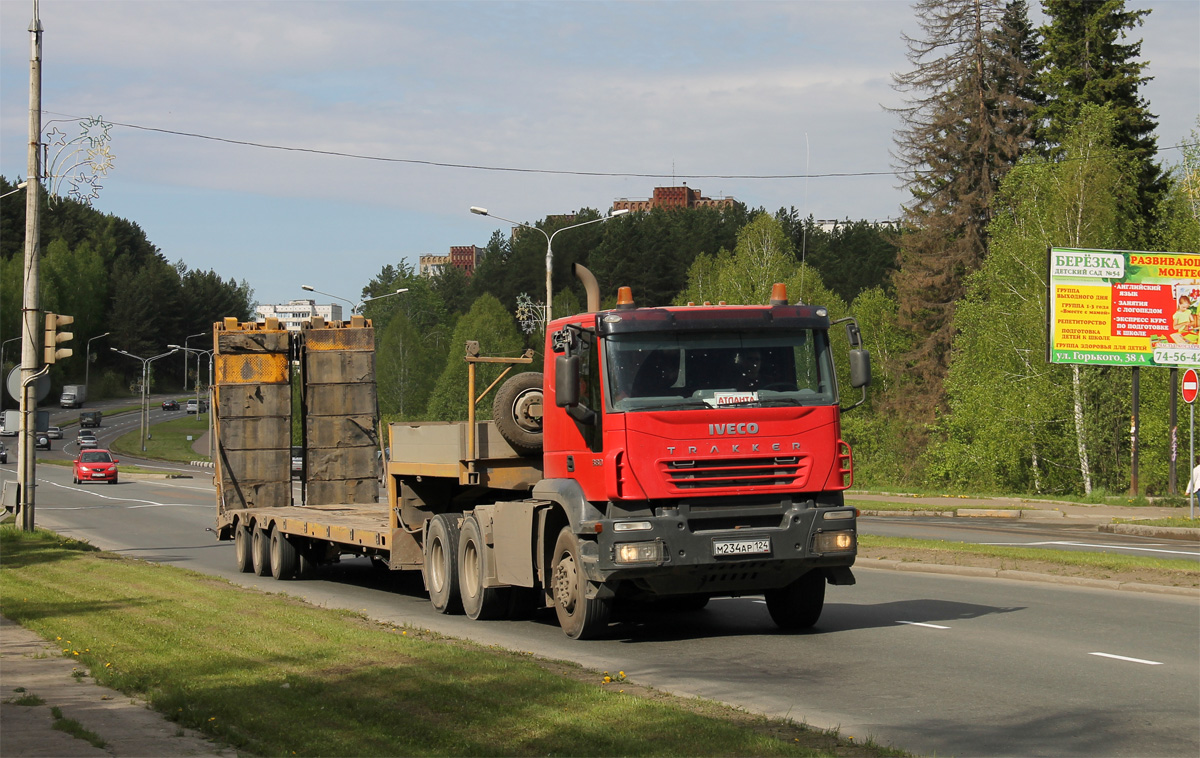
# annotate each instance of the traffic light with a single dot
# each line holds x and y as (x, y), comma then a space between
(54, 338)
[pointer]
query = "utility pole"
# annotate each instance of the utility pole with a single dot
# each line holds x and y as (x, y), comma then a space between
(31, 323)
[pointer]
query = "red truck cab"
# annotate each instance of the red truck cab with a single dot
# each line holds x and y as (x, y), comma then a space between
(700, 449)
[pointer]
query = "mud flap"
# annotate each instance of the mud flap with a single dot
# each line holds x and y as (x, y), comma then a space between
(840, 575)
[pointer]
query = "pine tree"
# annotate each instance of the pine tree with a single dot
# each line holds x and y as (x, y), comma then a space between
(966, 124)
(1084, 60)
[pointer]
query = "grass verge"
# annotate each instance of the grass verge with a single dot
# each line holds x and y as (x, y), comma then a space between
(273, 676)
(1113, 566)
(168, 441)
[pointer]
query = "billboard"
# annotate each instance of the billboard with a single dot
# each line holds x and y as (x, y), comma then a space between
(1123, 308)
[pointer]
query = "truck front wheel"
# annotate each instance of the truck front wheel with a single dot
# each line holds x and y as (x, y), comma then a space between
(441, 564)
(580, 617)
(479, 602)
(798, 605)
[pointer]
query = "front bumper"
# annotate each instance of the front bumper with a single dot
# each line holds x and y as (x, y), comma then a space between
(725, 550)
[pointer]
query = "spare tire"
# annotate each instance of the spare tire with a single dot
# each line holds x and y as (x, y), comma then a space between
(517, 411)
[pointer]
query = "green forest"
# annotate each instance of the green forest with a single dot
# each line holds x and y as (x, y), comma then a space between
(1012, 139)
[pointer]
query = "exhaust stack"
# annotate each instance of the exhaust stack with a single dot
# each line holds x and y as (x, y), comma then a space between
(590, 286)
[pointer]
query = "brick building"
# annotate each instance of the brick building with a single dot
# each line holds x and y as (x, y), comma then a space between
(673, 197)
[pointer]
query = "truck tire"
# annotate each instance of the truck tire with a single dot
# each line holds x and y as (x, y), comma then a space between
(441, 564)
(514, 412)
(285, 560)
(581, 618)
(479, 603)
(260, 549)
(242, 547)
(798, 605)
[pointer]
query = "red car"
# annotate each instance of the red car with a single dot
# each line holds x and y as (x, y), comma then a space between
(95, 466)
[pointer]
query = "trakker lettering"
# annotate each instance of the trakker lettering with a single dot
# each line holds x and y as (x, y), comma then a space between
(741, 447)
(720, 429)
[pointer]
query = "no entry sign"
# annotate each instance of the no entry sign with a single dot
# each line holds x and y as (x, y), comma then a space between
(1191, 385)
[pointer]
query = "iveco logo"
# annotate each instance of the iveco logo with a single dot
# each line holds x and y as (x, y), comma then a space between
(730, 429)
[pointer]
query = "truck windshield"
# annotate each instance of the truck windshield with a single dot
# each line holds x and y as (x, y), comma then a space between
(669, 370)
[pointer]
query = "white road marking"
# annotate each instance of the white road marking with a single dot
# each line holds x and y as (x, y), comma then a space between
(131, 503)
(1131, 660)
(919, 623)
(1086, 544)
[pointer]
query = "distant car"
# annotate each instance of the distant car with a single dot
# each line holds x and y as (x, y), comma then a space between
(54, 433)
(86, 440)
(3, 453)
(41, 441)
(171, 405)
(95, 466)
(195, 406)
(297, 462)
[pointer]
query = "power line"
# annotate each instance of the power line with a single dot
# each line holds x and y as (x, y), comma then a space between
(513, 169)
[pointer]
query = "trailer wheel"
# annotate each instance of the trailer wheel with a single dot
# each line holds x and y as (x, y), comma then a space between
(517, 411)
(798, 605)
(285, 560)
(580, 617)
(479, 602)
(242, 548)
(441, 564)
(260, 548)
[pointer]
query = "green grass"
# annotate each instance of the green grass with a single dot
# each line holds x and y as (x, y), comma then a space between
(1101, 561)
(900, 505)
(75, 729)
(274, 676)
(1177, 522)
(168, 440)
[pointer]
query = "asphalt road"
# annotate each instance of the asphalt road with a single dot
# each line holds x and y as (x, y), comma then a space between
(933, 664)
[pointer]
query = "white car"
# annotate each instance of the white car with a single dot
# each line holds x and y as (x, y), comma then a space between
(54, 432)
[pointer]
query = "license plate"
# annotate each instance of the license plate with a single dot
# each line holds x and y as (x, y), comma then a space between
(758, 546)
(98, 475)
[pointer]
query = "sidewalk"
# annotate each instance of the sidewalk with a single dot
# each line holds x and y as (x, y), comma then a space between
(30, 666)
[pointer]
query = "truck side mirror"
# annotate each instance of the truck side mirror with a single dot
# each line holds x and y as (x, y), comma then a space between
(860, 368)
(566, 381)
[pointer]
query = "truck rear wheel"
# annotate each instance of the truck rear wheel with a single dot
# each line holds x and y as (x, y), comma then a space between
(242, 546)
(285, 560)
(479, 602)
(798, 605)
(441, 564)
(260, 548)
(580, 617)
(517, 411)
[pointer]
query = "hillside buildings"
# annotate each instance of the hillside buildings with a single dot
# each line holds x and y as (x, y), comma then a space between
(295, 312)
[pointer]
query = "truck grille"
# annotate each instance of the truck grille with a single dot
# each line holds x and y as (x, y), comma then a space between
(735, 472)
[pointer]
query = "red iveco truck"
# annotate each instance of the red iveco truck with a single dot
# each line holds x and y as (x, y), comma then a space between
(674, 453)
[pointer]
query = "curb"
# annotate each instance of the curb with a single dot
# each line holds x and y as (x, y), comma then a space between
(202, 464)
(1027, 576)
(1161, 532)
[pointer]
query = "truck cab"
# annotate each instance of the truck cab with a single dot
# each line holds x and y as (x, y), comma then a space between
(698, 452)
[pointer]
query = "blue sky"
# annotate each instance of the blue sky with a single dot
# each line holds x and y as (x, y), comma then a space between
(691, 90)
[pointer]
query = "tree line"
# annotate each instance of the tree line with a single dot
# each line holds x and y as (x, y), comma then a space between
(102, 270)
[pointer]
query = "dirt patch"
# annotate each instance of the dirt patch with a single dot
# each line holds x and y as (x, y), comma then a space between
(951, 558)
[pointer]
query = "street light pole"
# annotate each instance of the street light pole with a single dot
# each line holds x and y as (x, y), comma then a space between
(209, 353)
(87, 359)
(145, 385)
(185, 361)
(354, 307)
(549, 243)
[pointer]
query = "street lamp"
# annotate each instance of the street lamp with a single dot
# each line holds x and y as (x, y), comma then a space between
(87, 359)
(354, 307)
(185, 341)
(199, 353)
(549, 242)
(145, 385)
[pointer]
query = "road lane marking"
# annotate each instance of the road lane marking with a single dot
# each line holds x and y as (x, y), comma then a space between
(920, 623)
(1086, 544)
(1124, 658)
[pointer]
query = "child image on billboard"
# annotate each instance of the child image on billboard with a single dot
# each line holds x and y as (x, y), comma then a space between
(1185, 322)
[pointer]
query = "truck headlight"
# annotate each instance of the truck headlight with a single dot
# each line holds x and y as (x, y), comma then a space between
(834, 542)
(638, 552)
